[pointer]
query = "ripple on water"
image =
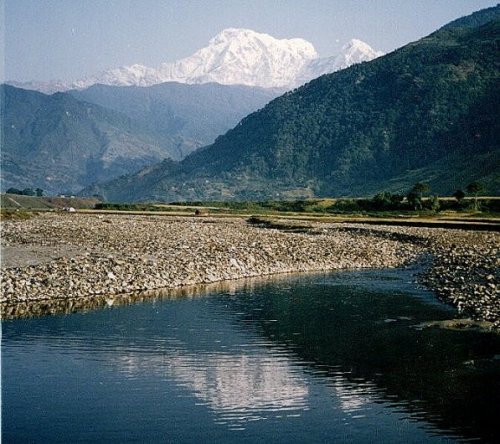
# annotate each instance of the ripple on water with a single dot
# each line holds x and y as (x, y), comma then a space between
(288, 361)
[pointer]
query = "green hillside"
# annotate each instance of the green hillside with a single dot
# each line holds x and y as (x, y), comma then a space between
(67, 141)
(426, 112)
(62, 145)
(192, 115)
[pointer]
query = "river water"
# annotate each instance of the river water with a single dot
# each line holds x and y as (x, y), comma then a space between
(336, 357)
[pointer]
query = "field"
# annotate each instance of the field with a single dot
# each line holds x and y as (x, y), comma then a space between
(21, 202)
(450, 213)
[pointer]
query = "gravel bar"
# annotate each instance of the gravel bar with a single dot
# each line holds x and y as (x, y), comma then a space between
(60, 257)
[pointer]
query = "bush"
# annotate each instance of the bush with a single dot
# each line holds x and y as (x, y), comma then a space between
(345, 206)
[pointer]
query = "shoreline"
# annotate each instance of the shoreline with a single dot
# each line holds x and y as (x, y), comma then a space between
(56, 260)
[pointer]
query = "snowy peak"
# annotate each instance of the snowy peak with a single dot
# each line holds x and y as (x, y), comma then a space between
(138, 75)
(237, 56)
(360, 46)
(356, 51)
(243, 56)
(247, 39)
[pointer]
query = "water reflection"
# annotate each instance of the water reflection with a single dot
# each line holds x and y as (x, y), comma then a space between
(237, 387)
(301, 359)
(46, 307)
(352, 398)
(369, 332)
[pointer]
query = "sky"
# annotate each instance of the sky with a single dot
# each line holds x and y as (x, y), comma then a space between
(70, 39)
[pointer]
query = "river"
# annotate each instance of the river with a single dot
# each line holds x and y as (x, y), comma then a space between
(336, 357)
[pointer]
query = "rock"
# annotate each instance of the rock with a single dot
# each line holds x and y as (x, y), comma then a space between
(151, 252)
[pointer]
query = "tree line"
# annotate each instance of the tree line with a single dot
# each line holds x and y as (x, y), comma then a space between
(26, 191)
(415, 197)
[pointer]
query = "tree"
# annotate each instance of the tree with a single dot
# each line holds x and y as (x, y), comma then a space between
(475, 188)
(39, 192)
(414, 200)
(28, 192)
(13, 190)
(415, 195)
(434, 203)
(387, 201)
(421, 188)
(459, 195)
(396, 199)
(382, 201)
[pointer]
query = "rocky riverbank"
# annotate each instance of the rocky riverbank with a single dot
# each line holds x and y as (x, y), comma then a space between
(52, 258)
(463, 268)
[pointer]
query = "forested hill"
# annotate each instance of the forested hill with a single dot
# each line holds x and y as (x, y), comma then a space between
(192, 115)
(66, 141)
(426, 112)
(475, 19)
(62, 145)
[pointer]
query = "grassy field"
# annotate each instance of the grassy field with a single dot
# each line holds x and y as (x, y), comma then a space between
(358, 210)
(21, 202)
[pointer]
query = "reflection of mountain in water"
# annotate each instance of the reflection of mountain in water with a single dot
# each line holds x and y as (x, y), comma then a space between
(366, 332)
(238, 387)
(352, 398)
(343, 344)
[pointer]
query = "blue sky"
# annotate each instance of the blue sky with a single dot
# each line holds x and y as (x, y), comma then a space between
(69, 39)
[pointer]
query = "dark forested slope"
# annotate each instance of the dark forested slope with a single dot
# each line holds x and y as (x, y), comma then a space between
(192, 115)
(426, 112)
(62, 145)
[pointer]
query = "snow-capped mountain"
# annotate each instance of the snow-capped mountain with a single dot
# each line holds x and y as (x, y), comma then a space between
(355, 51)
(242, 56)
(234, 56)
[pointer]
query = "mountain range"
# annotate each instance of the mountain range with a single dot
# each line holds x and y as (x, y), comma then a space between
(67, 141)
(426, 112)
(61, 144)
(233, 57)
(191, 115)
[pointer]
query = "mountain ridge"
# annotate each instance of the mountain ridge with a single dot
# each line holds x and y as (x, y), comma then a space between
(61, 145)
(194, 114)
(235, 56)
(418, 114)
(66, 141)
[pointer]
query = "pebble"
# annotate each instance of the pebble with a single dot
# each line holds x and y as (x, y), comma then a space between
(123, 254)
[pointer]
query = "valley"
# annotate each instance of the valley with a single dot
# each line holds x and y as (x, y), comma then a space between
(418, 114)
(254, 239)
